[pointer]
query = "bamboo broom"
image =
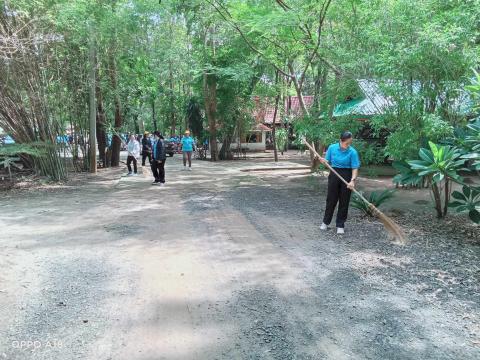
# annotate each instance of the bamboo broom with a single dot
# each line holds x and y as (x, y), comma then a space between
(392, 228)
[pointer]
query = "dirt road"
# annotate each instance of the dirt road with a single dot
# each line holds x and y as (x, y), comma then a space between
(223, 264)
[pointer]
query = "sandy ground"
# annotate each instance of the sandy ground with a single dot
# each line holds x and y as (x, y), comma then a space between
(225, 264)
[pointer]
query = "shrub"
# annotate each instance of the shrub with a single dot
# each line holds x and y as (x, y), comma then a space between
(370, 153)
(377, 198)
(467, 201)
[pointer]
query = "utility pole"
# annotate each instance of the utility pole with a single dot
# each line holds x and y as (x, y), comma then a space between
(92, 105)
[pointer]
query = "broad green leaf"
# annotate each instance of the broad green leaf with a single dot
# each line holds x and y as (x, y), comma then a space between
(458, 195)
(474, 216)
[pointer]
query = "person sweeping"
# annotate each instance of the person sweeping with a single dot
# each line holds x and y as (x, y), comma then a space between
(344, 159)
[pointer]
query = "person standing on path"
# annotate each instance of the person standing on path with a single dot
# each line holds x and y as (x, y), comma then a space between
(345, 160)
(133, 148)
(159, 157)
(146, 149)
(187, 149)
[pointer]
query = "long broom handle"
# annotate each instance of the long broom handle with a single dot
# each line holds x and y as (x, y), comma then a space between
(312, 149)
(123, 142)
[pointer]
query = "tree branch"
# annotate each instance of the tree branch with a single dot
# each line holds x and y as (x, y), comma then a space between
(228, 18)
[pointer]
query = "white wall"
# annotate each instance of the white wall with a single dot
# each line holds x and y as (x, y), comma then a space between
(261, 146)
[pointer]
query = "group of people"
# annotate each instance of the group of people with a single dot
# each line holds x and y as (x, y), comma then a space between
(340, 156)
(153, 148)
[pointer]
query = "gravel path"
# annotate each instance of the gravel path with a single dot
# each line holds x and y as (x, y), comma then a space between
(227, 264)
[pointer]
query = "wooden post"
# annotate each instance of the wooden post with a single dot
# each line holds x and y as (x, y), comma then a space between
(92, 105)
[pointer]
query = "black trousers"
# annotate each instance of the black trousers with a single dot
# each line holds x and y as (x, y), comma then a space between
(146, 154)
(338, 193)
(131, 158)
(158, 170)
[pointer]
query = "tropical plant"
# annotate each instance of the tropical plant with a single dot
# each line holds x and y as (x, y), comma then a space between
(376, 198)
(8, 162)
(439, 162)
(467, 201)
(472, 136)
(10, 155)
(474, 89)
(406, 176)
(439, 166)
(282, 139)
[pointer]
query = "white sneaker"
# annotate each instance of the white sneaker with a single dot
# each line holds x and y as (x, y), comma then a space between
(129, 174)
(340, 230)
(189, 169)
(324, 226)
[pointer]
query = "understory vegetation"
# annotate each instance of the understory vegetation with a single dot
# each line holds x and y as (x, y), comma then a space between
(402, 75)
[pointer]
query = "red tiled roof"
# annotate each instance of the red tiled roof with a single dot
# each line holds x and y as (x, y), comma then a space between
(295, 104)
(265, 108)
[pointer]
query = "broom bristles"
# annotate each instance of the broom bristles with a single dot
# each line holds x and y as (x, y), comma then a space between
(391, 226)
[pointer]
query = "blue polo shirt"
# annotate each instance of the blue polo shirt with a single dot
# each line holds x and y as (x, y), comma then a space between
(154, 147)
(187, 143)
(342, 158)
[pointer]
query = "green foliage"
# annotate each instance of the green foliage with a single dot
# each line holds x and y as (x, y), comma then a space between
(472, 138)
(438, 162)
(281, 139)
(435, 128)
(324, 130)
(438, 167)
(194, 117)
(406, 176)
(377, 198)
(467, 201)
(8, 162)
(370, 153)
(420, 56)
(9, 155)
(15, 150)
(474, 90)
(402, 144)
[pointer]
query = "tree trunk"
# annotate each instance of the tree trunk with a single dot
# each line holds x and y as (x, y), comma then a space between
(173, 120)
(226, 153)
(116, 141)
(274, 126)
(154, 120)
(101, 133)
(210, 95)
(298, 90)
(447, 196)
(92, 106)
(320, 82)
(438, 200)
(334, 100)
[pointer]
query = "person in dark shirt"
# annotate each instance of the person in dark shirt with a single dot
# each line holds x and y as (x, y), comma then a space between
(159, 157)
(146, 149)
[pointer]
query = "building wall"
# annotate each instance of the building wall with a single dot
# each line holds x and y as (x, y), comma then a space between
(259, 146)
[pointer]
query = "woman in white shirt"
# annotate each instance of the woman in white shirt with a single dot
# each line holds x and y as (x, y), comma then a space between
(133, 148)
